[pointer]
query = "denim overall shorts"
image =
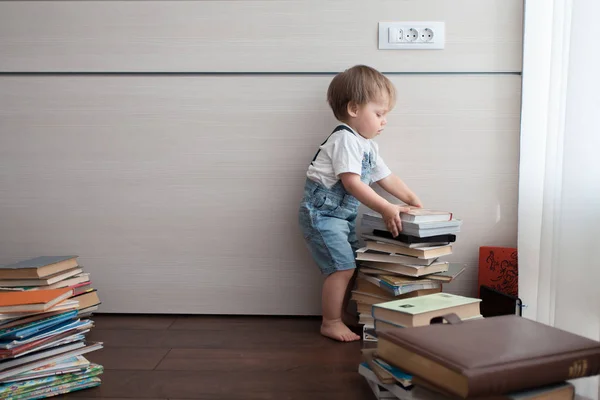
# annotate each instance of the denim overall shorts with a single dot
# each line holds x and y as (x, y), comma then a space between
(328, 219)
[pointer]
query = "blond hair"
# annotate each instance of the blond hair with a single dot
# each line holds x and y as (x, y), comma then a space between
(360, 85)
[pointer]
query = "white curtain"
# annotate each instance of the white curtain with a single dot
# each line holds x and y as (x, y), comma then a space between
(559, 182)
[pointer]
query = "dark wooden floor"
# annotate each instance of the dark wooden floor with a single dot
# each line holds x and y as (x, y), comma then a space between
(206, 357)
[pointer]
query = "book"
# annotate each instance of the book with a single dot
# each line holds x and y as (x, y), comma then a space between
(64, 305)
(454, 270)
(30, 326)
(371, 285)
(399, 376)
(399, 285)
(380, 325)
(382, 374)
(405, 269)
(87, 299)
(414, 241)
(419, 311)
(372, 243)
(45, 281)
(55, 390)
(22, 387)
(560, 391)
(67, 365)
(41, 300)
(398, 391)
(47, 357)
(38, 267)
(364, 254)
(416, 214)
(498, 269)
(66, 326)
(380, 392)
(423, 229)
(72, 282)
(490, 356)
(370, 300)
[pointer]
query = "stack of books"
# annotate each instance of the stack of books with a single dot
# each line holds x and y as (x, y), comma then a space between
(505, 357)
(50, 272)
(45, 304)
(408, 313)
(409, 265)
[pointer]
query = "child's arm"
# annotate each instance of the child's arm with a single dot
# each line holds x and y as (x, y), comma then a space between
(366, 195)
(397, 188)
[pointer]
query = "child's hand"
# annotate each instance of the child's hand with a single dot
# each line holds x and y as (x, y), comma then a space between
(391, 217)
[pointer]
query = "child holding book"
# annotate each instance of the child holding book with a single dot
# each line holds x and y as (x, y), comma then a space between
(338, 180)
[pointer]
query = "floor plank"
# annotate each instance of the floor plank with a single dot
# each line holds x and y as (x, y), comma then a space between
(136, 358)
(222, 357)
(231, 385)
(264, 338)
(279, 324)
(120, 321)
(228, 360)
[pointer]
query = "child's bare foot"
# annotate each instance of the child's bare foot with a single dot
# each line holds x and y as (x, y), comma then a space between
(338, 331)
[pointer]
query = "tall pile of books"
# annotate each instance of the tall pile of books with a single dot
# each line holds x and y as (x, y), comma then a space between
(406, 266)
(406, 356)
(45, 305)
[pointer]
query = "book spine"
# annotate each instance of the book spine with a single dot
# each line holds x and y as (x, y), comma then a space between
(533, 373)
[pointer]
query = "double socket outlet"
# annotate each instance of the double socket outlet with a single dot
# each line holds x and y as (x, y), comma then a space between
(411, 35)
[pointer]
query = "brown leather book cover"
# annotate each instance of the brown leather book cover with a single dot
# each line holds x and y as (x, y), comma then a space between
(491, 356)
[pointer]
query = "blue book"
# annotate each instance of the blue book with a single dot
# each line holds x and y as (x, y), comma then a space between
(32, 328)
(52, 331)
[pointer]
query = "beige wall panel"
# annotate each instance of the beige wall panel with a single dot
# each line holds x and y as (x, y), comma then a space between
(180, 193)
(252, 36)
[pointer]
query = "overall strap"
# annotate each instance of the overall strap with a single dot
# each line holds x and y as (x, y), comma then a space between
(337, 129)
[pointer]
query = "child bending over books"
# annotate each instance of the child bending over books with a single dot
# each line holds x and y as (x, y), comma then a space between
(338, 180)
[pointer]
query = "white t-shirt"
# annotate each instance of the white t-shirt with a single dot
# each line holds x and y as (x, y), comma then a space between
(343, 152)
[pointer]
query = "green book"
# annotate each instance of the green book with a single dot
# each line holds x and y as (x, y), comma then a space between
(418, 311)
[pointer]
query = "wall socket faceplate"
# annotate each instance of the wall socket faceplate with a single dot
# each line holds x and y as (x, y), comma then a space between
(421, 35)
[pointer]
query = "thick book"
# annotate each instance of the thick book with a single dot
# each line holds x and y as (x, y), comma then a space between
(421, 230)
(405, 269)
(560, 391)
(380, 325)
(490, 356)
(365, 254)
(38, 267)
(374, 243)
(87, 299)
(419, 311)
(414, 241)
(370, 299)
(416, 214)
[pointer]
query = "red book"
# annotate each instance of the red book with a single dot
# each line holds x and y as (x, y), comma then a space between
(498, 269)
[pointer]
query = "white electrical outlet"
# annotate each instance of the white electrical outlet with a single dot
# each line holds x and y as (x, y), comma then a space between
(420, 35)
